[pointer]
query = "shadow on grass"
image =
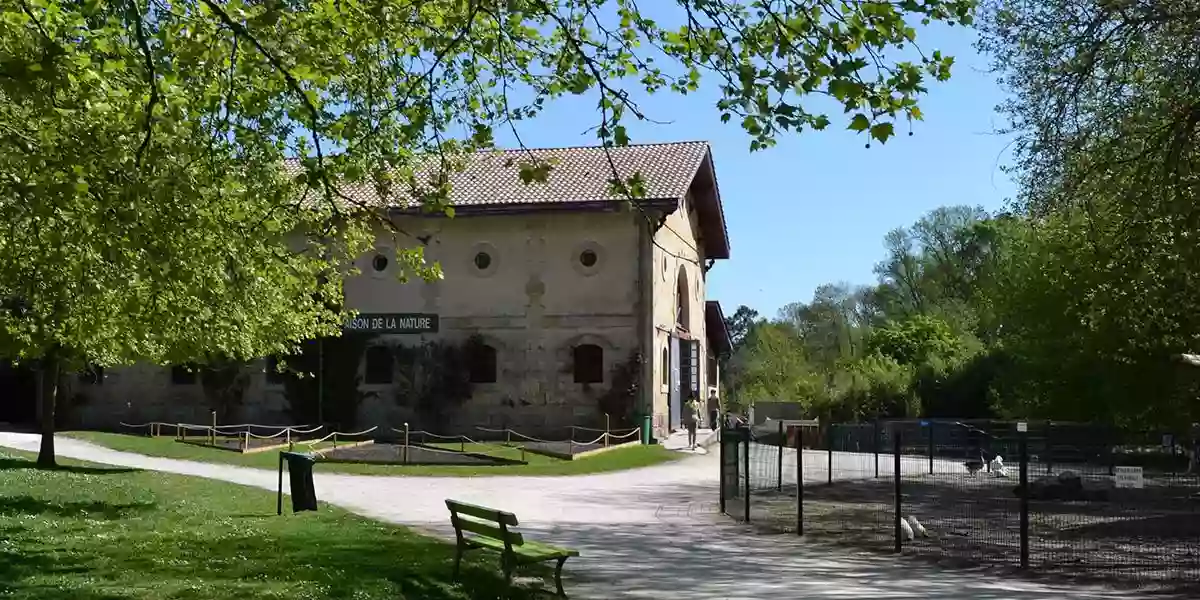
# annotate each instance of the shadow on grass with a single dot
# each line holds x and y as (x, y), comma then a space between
(383, 564)
(28, 505)
(388, 565)
(310, 555)
(140, 535)
(11, 464)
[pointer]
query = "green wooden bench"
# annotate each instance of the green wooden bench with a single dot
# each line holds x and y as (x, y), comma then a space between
(477, 527)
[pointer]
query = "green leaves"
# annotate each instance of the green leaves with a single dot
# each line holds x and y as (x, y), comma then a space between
(195, 178)
(1107, 284)
(882, 131)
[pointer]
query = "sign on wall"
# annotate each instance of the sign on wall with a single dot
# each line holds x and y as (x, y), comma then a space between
(1128, 477)
(412, 323)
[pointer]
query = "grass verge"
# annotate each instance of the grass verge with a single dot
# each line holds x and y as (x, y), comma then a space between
(90, 532)
(632, 457)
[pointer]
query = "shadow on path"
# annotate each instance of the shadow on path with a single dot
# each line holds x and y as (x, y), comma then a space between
(649, 533)
(695, 561)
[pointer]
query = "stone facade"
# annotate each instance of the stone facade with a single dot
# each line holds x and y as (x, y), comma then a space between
(533, 303)
(679, 294)
(534, 286)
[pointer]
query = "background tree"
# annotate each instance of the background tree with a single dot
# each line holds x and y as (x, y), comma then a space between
(1071, 304)
(1106, 107)
(771, 365)
(740, 324)
(911, 344)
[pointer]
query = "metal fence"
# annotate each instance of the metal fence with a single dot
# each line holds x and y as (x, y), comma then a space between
(1076, 500)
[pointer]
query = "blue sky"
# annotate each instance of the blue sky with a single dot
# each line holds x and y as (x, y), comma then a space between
(814, 209)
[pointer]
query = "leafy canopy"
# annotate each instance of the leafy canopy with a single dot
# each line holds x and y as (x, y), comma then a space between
(143, 143)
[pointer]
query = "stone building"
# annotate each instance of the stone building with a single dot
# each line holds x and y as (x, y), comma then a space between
(561, 301)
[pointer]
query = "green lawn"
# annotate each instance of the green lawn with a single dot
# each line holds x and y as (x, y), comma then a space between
(631, 457)
(88, 532)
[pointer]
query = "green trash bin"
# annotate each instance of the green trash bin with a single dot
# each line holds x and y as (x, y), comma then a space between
(300, 474)
(647, 433)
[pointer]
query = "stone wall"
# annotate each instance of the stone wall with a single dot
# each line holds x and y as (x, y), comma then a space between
(533, 299)
(679, 277)
(144, 393)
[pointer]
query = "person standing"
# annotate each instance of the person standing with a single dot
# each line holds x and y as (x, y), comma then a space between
(1194, 459)
(714, 410)
(691, 419)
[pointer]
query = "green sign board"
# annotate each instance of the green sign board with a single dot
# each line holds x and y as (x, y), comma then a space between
(393, 323)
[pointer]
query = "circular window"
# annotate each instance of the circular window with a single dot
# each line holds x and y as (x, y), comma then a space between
(379, 263)
(588, 258)
(483, 260)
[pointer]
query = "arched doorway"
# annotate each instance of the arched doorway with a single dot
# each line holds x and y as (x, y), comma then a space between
(679, 349)
(683, 313)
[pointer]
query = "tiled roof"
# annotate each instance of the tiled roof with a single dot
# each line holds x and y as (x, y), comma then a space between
(579, 174)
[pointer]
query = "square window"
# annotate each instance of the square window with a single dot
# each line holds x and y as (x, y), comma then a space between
(589, 364)
(481, 364)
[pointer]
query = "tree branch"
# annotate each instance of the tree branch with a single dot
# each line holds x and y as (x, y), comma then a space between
(152, 77)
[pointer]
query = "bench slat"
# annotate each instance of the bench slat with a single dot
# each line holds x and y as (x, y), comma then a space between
(530, 550)
(481, 512)
(487, 530)
(534, 549)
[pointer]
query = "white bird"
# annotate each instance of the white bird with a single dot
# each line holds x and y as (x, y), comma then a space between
(917, 527)
(997, 466)
(906, 530)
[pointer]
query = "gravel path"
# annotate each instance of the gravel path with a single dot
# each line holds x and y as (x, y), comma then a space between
(647, 533)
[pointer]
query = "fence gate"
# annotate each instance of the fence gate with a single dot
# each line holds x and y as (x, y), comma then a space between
(733, 471)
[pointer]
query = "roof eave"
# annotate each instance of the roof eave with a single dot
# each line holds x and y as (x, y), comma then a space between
(716, 328)
(718, 248)
(494, 209)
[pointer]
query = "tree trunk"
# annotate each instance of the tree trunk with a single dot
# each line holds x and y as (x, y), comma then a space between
(47, 394)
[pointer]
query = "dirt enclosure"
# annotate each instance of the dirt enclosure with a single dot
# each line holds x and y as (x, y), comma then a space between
(238, 444)
(398, 454)
(566, 450)
(1148, 536)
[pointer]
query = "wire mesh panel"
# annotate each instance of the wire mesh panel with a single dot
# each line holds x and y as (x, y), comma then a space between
(848, 497)
(957, 499)
(772, 480)
(1077, 500)
(1113, 506)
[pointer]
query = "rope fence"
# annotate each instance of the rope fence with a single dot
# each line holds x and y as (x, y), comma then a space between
(242, 432)
(333, 437)
(604, 439)
(292, 435)
(406, 441)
